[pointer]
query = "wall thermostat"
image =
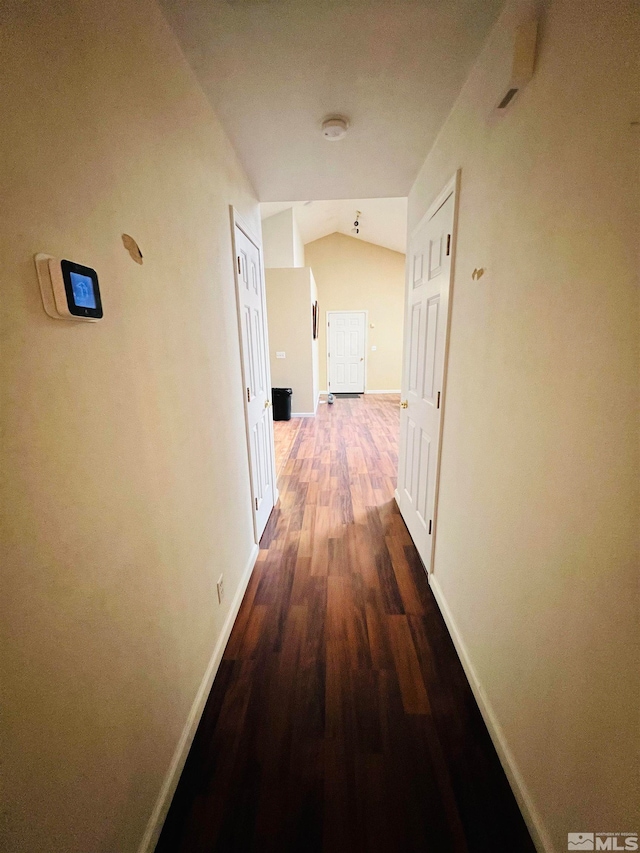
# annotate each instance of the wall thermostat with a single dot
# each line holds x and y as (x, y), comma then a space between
(69, 291)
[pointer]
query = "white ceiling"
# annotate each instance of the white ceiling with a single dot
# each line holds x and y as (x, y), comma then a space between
(383, 220)
(273, 69)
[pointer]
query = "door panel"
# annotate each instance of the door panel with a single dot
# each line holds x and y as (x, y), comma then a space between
(346, 335)
(430, 344)
(409, 443)
(422, 501)
(427, 305)
(435, 257)
(252, 310)
(416, 367)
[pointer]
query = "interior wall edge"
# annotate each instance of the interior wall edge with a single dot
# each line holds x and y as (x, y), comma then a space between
(532, 818)
(168, 789)
(537, 548)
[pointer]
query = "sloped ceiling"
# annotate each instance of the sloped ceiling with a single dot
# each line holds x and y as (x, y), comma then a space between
(382, 221)
(274, 69)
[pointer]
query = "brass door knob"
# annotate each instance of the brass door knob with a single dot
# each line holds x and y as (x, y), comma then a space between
(404, 404)
(267, 403)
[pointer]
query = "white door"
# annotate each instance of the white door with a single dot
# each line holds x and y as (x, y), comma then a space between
(252, 316)
(346, 332)
(426, 329)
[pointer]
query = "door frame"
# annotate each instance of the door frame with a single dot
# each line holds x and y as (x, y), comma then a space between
(364, 311)
(238, 221)
(452, 186)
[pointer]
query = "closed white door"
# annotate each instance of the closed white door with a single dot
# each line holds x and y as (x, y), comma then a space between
(252, 316)
(346, 332)
(426, 328)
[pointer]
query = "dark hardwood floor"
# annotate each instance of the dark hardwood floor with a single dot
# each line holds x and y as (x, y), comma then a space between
(340, 718)
(284, 433)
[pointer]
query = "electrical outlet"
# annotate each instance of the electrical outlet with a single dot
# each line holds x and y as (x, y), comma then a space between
(220, 588)
(281, 355)
(374, 348)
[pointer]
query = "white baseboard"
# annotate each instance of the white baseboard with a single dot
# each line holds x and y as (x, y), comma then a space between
(161, 808)
(303, 414)
(539, 834)
(386, 391)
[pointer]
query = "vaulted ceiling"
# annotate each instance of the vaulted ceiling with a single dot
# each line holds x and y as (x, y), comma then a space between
(382, 220)
(274, 69)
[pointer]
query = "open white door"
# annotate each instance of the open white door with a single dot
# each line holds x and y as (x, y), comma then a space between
(429, 271)
(346, 333)
(252, 321)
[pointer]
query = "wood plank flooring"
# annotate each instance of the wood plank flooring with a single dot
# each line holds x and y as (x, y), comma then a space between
(284, 433)
(340, 718)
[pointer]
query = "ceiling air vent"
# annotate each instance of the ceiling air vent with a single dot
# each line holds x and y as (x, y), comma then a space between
(522, 63)
(504, 103)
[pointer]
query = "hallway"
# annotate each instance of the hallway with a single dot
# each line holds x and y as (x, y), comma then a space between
(340, 718)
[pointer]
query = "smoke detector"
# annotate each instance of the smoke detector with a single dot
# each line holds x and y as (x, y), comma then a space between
(335, 128)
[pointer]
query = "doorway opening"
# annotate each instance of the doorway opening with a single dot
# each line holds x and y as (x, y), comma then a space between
(346, 352)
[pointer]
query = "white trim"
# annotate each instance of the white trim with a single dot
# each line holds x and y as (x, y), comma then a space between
(451, 188)
(364, 311)
(237, 221)
(309, 414)
(532, 818)
(244, 225)
(161, 808)
(385, 391)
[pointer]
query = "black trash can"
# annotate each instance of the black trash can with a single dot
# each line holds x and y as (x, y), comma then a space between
(281, 398)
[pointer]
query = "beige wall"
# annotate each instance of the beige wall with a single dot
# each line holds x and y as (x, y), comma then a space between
(281, 241)
(124, 476)
(298, 244)
(536, 549)
(290, 295)
(353, 275)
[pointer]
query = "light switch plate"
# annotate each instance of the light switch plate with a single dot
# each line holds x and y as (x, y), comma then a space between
(281, 355)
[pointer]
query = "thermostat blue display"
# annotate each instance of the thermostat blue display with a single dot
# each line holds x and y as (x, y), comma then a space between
(81, 290)
(83, 293)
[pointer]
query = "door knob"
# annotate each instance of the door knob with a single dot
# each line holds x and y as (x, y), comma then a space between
(267, 403)
(362, 359)
(404, 404)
